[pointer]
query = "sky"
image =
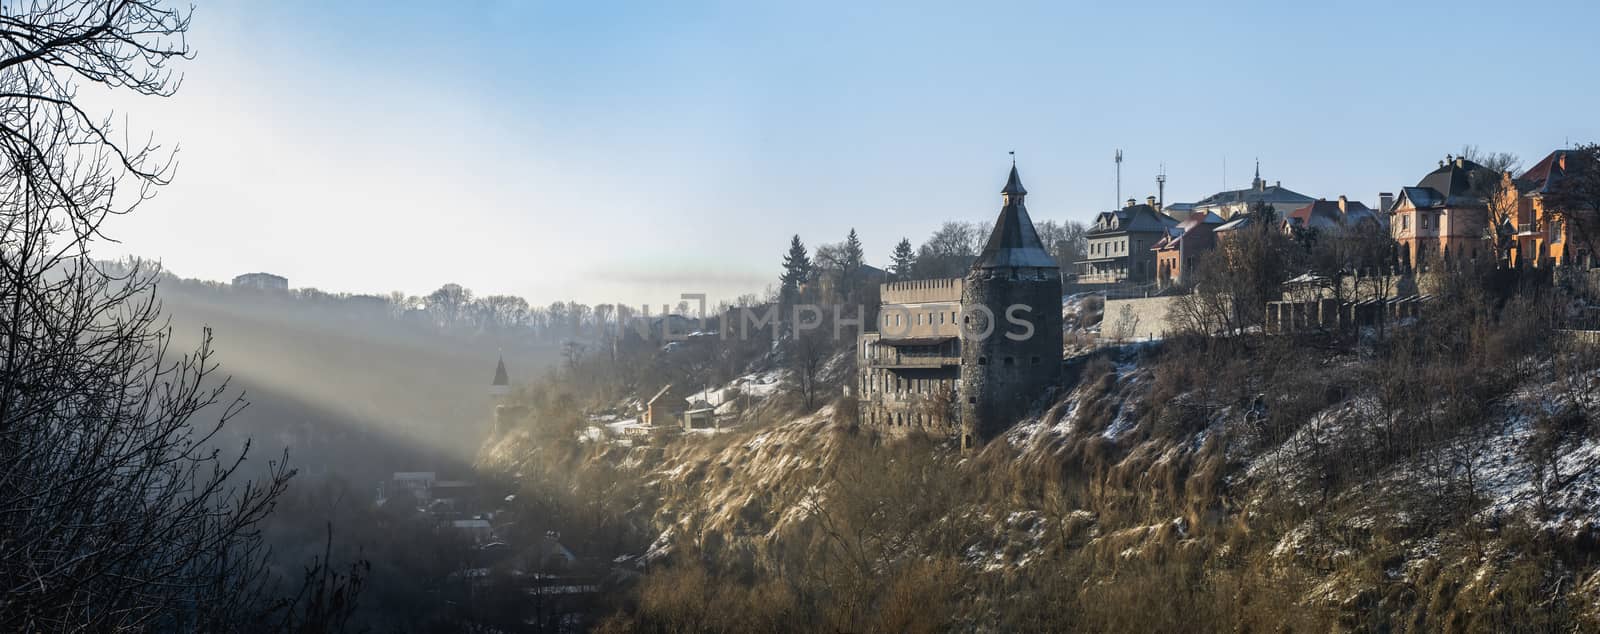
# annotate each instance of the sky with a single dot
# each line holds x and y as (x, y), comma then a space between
(632, 152)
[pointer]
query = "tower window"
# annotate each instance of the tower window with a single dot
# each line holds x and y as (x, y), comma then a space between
(1008, 361)
(983, 360)
(1036, 360)
(973, 400)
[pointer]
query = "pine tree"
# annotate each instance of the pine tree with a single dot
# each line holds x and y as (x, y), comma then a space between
(796, 270)
(854, 258)
(903, 259)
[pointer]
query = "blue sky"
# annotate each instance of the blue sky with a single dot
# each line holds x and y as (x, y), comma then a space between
(632, 151)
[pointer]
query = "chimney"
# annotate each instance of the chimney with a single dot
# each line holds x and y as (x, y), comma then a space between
(1151, 200)
(1343, 202)
(1385, 201)
(1461, 162)
(1131, 202)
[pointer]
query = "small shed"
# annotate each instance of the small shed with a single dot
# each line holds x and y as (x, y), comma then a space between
(664, 407)
(700, 415)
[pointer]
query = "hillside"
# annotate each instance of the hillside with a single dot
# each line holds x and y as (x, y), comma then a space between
(1189, 485)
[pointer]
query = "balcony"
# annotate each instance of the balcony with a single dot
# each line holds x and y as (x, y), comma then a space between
(1527, 228)
(908, 353)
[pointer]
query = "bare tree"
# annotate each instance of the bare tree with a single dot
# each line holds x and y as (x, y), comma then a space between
(1500, 202)
(1235, 280)
(1498, 162)
(949, 251)
(805, 354)
(117, 509)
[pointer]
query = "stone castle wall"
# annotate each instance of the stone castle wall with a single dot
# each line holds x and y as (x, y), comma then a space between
(921, 291)
(1146, 318)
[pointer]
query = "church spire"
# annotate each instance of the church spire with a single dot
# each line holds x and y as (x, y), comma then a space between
(1258, 184)
(501, 379)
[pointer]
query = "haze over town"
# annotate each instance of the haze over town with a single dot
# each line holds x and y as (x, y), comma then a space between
(629, 152)
(324, 317)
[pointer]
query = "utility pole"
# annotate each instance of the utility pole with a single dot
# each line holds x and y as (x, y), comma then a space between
(1119, 181)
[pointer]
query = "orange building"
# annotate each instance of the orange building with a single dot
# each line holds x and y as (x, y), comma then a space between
(1542, 240)
(1443, 218)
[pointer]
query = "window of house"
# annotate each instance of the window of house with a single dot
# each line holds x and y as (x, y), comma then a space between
(1405, 222)
(983, 360)
(1008, 361)
(1036, 360)
(972, 400)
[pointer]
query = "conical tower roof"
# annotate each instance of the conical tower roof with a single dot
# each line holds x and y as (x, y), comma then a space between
(1014, 242)
(1014, 183)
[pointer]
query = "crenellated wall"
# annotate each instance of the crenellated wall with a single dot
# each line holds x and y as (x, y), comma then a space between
(921, 291)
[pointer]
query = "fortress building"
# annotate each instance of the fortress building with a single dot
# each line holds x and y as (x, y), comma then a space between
(965, 357)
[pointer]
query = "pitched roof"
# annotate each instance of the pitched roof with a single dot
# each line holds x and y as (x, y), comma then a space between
(1239, 222)
(1014, 242)
(1545, 174)
(660, 393)
(1326, 214)
(1452, 183)
(1271, 194)
(1133, 219)
(1201, 220)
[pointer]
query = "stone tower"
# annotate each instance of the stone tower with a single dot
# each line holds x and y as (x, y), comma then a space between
(499, 392)
(1011, 323)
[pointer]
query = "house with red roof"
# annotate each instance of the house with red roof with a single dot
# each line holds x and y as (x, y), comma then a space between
(1178, 253)
(1332, 216)
(1541, 238)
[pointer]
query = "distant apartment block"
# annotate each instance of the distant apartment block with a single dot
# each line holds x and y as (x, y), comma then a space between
(262, 281)
(1236, 202)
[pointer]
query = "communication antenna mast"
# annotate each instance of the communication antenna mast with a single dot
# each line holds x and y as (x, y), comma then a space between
(1118, 204)
(1161, 186)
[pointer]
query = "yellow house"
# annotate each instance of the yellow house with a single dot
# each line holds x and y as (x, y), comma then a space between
(1444, 218)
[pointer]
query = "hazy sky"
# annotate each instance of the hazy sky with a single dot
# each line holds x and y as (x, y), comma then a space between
(628, 152)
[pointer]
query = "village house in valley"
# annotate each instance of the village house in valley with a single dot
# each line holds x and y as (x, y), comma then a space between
(964, 357)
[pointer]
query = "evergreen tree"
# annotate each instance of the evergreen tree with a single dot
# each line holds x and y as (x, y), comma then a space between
(903, 259)
(851, 262)
(796, 270)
